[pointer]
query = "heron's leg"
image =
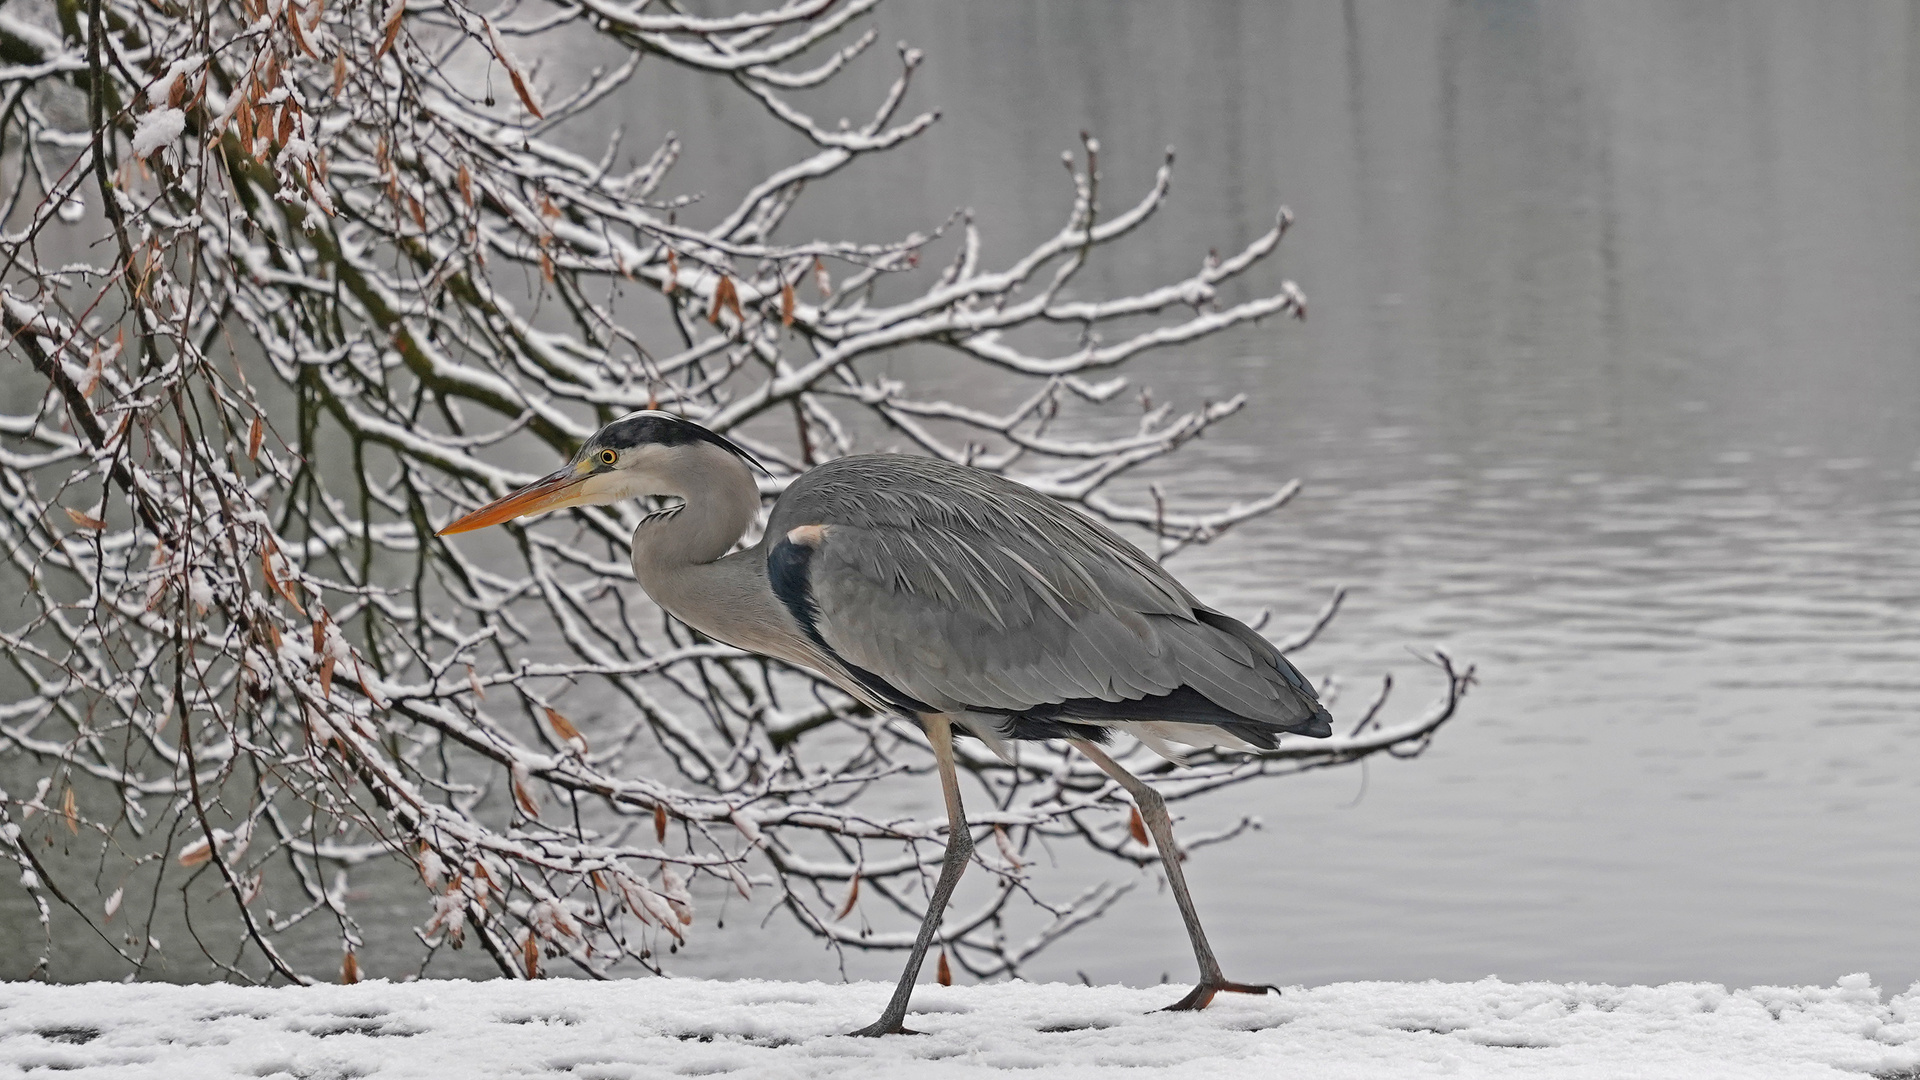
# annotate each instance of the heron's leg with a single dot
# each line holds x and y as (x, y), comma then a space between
(959, 852)
(1153, 810)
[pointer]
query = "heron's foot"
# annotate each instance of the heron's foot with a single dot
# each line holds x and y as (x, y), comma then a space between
(884, 1026)
(1202, 995)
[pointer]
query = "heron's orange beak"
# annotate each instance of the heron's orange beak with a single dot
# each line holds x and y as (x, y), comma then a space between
(563, 488)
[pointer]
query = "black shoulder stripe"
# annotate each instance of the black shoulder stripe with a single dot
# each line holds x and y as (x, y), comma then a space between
(787, 566)
(788, 571)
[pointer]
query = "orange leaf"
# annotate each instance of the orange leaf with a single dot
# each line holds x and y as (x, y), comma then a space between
(786, 304)
(393, 28)
(281, 587)
(565, 730)
(531, 953)
(945, 973)
(725, 296)
(466, 185)
(525, 798)
(85, 521)
(286, 124)
(853, 897)
(350, 968)
(659, 823)
(526, 98)
(299, 35)
(256, 434)
(326, 677)
(1137, 827)
(196, 853)
(94, 367)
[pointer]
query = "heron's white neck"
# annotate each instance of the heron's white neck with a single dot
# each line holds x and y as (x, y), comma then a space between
(678, 556)
(720, 503)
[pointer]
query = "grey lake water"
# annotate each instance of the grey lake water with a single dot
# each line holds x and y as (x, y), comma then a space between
(1611, 387)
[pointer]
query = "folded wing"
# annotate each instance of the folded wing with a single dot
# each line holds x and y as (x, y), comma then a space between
(964, 591)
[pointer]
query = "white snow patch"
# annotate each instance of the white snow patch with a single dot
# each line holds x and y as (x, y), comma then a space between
(157, 129)
(662, 1027)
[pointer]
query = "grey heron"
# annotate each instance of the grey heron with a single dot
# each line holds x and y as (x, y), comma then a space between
(949, 595)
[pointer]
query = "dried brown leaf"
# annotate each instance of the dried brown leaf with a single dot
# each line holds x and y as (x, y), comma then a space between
(673, 273)
(945, 972)
(530, 952)
(525, 798)
(273, 582)
(659, 823)
(725, 296)
(392, 34)
(1137, 827)
(564, 728)
(853, 897)
(299, 34)
(526, 97)
(256, 434)
(69, 811)
(85, 521)
(820, 279)
(1005, 844)
(339, 73)
(349, 968)
(95, 365)
(466, 185)
(786, 304)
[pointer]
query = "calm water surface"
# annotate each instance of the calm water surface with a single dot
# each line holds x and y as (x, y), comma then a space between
(1611, 385)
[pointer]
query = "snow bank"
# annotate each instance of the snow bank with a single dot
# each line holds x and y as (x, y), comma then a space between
(658, 1027)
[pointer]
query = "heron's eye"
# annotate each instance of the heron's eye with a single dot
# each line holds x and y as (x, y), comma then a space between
(608, 457)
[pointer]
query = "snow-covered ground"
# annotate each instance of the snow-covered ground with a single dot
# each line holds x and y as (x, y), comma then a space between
(658, 1027)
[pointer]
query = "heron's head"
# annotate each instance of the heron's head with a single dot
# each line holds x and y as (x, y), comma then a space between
(643, 453)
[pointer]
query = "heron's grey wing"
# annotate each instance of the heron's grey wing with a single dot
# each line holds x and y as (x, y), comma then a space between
(966, 591)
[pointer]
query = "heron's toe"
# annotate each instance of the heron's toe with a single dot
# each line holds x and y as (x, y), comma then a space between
(1202, 995)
